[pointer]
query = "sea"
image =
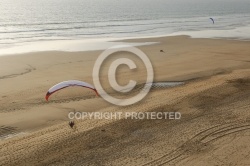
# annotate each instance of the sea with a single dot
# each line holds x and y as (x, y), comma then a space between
(78, 25)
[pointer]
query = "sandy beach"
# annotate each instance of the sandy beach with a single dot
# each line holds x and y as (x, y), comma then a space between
(214, 102)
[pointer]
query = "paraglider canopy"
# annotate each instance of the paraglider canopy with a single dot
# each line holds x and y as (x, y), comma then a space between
(212, 20)
(66, 84)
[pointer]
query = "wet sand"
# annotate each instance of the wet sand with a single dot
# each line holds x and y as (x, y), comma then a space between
(214, 103)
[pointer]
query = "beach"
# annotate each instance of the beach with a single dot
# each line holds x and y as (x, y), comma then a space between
(214, 128)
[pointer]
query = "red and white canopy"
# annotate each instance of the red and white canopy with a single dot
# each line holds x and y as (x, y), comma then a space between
(66, 84)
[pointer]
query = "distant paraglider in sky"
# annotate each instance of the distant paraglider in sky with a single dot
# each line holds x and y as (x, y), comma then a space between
(66, 84)
(212, 20)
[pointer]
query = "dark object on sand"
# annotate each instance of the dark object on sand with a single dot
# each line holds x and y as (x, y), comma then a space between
(71, 124)
(161, 51)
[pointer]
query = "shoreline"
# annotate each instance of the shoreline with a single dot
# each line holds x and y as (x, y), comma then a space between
(94, 44)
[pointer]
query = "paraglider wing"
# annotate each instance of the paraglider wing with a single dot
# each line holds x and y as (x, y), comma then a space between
(212, 20)
(66, 84)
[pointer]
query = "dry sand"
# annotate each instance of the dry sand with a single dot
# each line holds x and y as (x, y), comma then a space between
(214, 102)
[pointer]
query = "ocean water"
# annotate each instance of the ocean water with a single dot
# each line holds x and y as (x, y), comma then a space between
(25, 22)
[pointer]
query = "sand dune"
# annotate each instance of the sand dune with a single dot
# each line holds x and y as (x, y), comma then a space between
(214, 103)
